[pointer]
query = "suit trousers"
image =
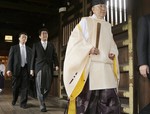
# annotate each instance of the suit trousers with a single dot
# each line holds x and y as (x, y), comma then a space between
(20, 85)
(41, 97)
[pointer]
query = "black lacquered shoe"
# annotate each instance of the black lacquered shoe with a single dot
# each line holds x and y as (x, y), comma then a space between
(23, 106)
(13, 103)
(43, 110)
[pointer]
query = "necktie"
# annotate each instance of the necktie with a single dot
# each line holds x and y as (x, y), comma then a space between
(44, 45)
(23, 57)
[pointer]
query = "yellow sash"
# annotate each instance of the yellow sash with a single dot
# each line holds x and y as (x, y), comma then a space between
(75, 93)
(115, 68)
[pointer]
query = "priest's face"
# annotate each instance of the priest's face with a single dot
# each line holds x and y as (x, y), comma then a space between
(44, 35)
(99, 10)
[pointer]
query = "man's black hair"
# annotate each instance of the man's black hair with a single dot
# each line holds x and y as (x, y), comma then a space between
(43, 29)
(23, 33)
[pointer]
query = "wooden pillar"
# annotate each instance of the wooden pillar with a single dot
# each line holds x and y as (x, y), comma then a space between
(60, 88)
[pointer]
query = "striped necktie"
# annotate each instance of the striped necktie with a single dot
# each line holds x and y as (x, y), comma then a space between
(23, 57)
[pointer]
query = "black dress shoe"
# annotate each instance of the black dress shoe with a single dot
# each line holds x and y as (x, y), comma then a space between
(13, 103)
(43, 110)
(23, 106)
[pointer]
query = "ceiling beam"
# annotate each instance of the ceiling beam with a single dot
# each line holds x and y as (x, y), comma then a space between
(27, 7)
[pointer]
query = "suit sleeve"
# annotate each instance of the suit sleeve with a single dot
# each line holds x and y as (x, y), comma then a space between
(142, 42)
(33, 58)
(55, 57)
(29, 56)
(10, 59)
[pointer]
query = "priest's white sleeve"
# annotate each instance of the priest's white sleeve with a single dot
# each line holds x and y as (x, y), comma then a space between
(83, 25)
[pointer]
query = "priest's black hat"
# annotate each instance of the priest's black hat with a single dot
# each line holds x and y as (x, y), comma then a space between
(95, 2)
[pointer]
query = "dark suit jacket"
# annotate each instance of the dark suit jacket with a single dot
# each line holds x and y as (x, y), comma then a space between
(14, 59)
(41, 57)
(143, 41)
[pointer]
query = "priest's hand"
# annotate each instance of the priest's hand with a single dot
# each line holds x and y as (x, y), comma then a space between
(111, 56)
(144, 70)
(94, 51)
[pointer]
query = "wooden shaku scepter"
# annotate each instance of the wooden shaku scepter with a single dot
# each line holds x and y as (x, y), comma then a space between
(98, 34)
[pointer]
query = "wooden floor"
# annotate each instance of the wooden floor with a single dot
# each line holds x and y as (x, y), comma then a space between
(54, 105)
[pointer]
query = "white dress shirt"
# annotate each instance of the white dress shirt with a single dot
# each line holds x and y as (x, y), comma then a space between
(44, 44)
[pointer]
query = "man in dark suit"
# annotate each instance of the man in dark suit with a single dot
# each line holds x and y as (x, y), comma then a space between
(19, 68)
(143, 52)
(143, 46)
(44, 58)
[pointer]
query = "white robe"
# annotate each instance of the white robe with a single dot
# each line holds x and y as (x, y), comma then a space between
(99, 67)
